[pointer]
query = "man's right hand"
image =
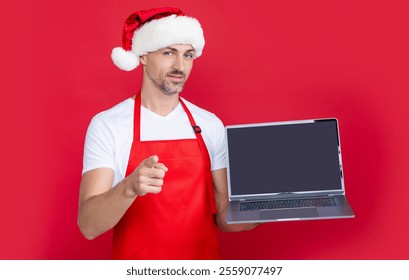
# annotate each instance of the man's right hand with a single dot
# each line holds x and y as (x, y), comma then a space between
(147, 177)
(101, 206)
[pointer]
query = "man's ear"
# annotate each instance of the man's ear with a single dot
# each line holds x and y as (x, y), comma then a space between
(142, 59)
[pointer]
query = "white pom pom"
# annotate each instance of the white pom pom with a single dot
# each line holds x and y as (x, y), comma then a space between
(125, 60)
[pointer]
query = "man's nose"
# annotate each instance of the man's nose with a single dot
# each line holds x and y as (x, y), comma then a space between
(179, 63)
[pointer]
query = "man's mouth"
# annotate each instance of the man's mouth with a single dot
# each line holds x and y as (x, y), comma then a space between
(177, 77)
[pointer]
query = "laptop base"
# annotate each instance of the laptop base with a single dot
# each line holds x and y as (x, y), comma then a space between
(341, 210)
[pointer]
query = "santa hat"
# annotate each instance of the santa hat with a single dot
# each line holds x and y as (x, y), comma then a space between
(150, 30)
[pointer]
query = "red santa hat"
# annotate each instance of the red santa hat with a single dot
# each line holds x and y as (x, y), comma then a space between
(150, 30)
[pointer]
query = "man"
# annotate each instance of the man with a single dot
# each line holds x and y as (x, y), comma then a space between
(155, 164)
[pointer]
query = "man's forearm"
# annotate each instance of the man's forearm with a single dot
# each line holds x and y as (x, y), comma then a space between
(221, 223)
(222, 202)
(100, 213)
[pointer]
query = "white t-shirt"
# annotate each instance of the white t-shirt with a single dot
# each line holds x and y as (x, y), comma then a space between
(110, 134)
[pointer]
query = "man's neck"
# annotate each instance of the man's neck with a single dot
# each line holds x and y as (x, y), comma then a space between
(158, 102)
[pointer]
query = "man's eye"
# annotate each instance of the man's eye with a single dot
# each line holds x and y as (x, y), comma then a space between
(189, 55)
(168, 53)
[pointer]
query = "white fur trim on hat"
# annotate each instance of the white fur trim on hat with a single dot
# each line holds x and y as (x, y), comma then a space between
(158, 34)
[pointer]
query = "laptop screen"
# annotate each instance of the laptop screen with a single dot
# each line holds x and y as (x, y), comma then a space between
(286, 157)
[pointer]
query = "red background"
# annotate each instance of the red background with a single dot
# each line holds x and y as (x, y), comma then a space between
(263, 61)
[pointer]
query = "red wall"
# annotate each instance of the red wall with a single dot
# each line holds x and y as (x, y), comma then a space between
(279, 60)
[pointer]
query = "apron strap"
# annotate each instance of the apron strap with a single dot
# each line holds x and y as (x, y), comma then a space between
(205, 155)
(136, 118)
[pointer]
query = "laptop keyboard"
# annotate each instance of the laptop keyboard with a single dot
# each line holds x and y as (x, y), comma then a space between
(287, 203)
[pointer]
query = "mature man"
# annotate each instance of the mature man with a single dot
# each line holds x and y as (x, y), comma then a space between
(155, 164)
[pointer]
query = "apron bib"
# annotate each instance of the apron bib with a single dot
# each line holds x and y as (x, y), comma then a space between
(178, 222)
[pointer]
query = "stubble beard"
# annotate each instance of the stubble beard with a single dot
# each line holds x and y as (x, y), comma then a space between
(168, 87)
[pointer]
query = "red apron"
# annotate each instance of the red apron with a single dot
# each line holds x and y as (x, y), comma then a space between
(178, 222)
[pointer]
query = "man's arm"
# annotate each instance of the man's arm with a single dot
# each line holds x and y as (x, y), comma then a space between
(101, 206)
(222, 201)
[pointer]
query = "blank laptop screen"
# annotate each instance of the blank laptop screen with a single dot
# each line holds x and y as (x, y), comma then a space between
(284, 158)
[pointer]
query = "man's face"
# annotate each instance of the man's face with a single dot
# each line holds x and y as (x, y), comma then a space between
(168, 68)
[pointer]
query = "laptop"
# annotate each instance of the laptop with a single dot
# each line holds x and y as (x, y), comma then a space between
(285, 171)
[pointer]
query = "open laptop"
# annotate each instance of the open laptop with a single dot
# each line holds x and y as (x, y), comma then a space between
(282, 171)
